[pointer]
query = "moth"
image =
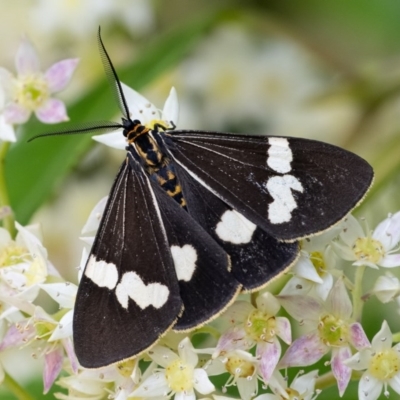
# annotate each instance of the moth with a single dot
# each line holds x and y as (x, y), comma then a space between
(195, 217)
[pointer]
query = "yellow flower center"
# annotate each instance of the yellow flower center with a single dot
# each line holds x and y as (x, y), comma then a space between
(293, 395)
(368, 249)
(239, 367)
(332, 331)
(317, 259)
(179, 376)
(385, 364)
(260, 326)
(44, 328)
(160, 122)
(31, 92)
(12, 255)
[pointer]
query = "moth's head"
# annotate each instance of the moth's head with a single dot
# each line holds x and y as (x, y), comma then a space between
(132, 129)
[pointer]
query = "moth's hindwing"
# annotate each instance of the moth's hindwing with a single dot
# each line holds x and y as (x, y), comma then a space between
(256, 256)
(128, 295)
(203, 268)
(291, 188)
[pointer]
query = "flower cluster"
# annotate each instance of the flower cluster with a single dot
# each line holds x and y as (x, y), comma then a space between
(314, 320)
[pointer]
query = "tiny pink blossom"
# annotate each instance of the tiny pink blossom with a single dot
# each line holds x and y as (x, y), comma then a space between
(31, 90)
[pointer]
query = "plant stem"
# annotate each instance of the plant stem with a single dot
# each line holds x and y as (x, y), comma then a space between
(8, 221)
(358, 303)
(14, 387)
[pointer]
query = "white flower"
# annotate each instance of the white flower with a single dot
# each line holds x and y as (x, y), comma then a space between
(144, 111)
(302, 387)
(381, 363)
(313, 271)
(179, 375)
(368, 249)
(23, 263)
(386, 288)
(31, 91)
(6, 130)
(256, 326)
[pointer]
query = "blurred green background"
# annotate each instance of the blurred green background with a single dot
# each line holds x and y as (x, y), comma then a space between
(323, 70)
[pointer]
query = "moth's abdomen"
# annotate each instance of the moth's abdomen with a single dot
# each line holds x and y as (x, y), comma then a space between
(168, 180)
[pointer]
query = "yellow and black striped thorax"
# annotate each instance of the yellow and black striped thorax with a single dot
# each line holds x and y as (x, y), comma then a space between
(155, 161)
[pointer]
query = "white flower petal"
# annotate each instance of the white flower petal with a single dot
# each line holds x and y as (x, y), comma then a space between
(238, 312)
(171, 108)
(247, 388)
(269, 353)
(114, 139)
(386, 288)
(360, 360)
(323, 290)
(369, 387)
(283, 329)
(201, 382)
(15, 114)
(139, 107)
(7, 133)
(302, 308)
(189, 395)
(297, 286)
(268, 303)
(92, 223)
(383, 339)
(351, 230)
(305, 383)
(388, 232)
(64, 327)
(390, 261)
(162, 355)
(395, 383)
(304, 268)
(63, 293)
(26, 59)
(154, 385)
(186, 352)
(339, 302)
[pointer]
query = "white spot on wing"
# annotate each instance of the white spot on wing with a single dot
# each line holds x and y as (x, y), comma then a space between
(103, 274)
(132, 286)
(279, 155)
(235, 228)
(185, 258)
(280, 188)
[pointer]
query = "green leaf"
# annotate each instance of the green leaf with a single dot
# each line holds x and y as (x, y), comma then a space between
(34, 169)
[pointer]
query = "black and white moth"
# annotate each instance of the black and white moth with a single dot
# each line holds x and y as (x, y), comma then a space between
(195, 217)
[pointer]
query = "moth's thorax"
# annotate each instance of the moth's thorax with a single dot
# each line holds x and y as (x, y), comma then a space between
(155, 161)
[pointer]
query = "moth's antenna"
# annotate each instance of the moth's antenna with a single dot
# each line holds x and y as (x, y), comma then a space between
(98, 126)
(113, 79)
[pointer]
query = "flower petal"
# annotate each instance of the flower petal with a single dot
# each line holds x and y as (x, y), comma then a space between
(383, 339)
(395, 383)
(238, 312)
(305, 383)
(92, 223)
(304, 351)
(360, 360)
(59, 74)
(189, 395)
(187, 353)
(52, 367)
(171, 108)
(7, 133)
(64, 327)
(388, 232)
(247, 387)
(283, 329)
(369, 387)
(358, 338)
(341, 372)
(201, 382)
(269, 354)
(323, 290)
(26, 59)
(15, 114)
(69, 349)
(114, 139)
(304, 268)
(163, 356)
(302, 307)
(339, 302)
(268, 303)
(390, 261)
(155, 385)
(232, 339)
(63, 293)
(52, 112)
(139, 107)
(351, 230)
(298, 286)
(386, 287)
(17, 335)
